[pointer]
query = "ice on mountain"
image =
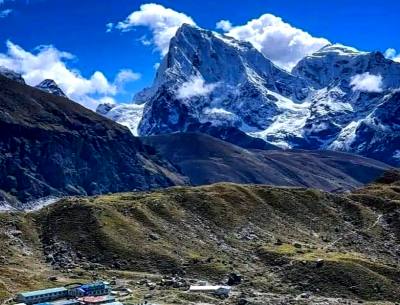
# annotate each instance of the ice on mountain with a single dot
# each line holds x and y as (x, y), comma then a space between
(128, 115)
(50, 86)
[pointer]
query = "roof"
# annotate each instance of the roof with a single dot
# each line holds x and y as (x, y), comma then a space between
(93, 286)
(208, 288)
(97, 299)
(65, 302)
(41, 292)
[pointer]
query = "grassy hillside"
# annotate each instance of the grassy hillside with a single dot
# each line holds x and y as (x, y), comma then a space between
(284, 241)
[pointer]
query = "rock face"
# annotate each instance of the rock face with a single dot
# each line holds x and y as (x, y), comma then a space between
(211, 82)
(11, 75)
(342, 118)
(207, 77)
(55, 147)
(50, 86)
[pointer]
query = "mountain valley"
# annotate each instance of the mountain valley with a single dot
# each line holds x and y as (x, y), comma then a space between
(230, 172)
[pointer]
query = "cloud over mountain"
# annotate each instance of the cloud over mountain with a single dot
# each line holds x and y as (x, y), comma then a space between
(47, 62)
(284, 44)
(276, 39)
(196, 86)
(367, 82)
(392, 54)
(163, 22)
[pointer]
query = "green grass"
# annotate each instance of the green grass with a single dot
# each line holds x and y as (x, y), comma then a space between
(208, 232)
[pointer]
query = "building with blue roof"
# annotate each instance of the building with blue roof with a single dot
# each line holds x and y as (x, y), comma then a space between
(92, 289)
(42, 296)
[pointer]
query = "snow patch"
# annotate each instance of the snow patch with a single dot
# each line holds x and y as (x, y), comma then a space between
(289, 123)
(5, 207)
(128, 115)
(220, 117)
(40, 203)
(345, 138)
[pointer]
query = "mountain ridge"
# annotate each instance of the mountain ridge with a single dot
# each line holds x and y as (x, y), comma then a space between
(229, 84)
(205, 160)
(56, 147)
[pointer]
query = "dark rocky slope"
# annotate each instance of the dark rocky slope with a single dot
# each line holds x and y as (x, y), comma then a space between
(205, 159)
(50, 145)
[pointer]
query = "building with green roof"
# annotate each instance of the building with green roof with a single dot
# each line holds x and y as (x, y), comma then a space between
(42, 296)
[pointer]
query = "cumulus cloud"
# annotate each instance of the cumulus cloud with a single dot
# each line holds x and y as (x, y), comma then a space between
(163, 22)
(126, 76)
(5, 13)
(195, 86)
(392, 54)
(224, 25)
(366, 82)
(48, 62)
(284, 44)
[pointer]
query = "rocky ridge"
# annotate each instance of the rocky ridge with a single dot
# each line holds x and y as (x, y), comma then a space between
(210, 79)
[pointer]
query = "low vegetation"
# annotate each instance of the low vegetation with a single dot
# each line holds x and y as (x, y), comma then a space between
(283, 241)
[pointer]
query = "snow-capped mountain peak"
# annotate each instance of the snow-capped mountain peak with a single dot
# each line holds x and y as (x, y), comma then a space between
(208, 77)
(337, 98)
(50, 86)
(335, 63)
(337, 49)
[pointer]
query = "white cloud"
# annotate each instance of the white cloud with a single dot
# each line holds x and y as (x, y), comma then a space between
(126, 76)
(284, 44)
(163, 22)
(196, 86)
(5, 13)
(224, 25)
(366, 82)
(48, 62)
(109, 27)
(107, 100)
(392, 54)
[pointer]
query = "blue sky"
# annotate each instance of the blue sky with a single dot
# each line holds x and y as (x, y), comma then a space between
(79, 28)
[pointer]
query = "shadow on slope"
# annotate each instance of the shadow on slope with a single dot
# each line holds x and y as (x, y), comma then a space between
(204, 160)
